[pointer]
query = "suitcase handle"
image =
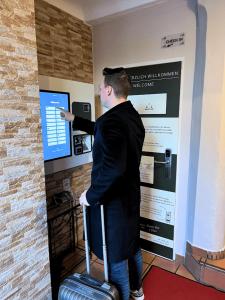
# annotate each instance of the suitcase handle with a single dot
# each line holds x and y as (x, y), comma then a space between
(106, 273)
(92, 281)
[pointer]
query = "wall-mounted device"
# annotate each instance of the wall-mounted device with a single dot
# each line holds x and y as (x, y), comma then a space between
(167, 163)
(77, 92)
(56, 133)
(168, 160)
(82, 142)
(82, 109)
(168, 157)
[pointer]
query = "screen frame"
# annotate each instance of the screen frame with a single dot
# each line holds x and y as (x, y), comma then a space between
(70, 131)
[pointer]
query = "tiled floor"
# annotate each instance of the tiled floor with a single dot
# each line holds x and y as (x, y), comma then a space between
(76, 263)
(148, 260)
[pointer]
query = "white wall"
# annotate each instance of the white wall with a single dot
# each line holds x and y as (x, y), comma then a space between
(73, 8)
(209, 221)
(135, 38)
(93, 10)
(96, 10)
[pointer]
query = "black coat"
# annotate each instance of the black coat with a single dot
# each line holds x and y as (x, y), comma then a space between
(115, 180)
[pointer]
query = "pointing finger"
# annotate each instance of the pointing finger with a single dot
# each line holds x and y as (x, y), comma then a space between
(60, 108)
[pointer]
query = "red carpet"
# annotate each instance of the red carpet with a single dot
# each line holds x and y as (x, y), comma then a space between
(163, 285)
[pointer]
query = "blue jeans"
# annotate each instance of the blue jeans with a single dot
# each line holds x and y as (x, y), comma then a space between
(126, 275)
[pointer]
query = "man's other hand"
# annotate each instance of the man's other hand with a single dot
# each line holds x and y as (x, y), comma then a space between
(83, 199)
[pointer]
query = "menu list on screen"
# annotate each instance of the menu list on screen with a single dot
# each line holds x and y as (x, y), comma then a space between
(55, 131)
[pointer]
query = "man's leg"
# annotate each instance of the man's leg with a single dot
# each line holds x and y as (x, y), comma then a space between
(119, 276)
(135, 274)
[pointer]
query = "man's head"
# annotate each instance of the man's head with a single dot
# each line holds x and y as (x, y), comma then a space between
(114, 87)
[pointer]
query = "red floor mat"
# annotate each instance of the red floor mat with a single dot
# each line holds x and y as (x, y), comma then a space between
(163, 285)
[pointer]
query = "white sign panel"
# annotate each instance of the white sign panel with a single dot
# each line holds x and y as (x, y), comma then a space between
(158, 205)
(173, 40)
(160, 134)
(147, 169)
(156, 239)
(149, 103)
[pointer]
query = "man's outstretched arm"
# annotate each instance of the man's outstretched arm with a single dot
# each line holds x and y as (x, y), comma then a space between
(78, 123)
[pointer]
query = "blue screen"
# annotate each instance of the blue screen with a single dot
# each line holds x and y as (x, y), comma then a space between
(55, 131)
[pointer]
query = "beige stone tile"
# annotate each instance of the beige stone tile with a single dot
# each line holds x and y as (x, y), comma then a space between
(182, 271)
(97, 267)
(179, 259)
(71, 263)
(99, 261)
(81, 244)
(80, 252)
(220, 263)
(94, 258)
(97, 271)
(147, 257)
(214, 277)
(81, 268)
(145, 269)
(165, 264)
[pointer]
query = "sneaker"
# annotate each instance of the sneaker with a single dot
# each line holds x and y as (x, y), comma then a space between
(137, 295)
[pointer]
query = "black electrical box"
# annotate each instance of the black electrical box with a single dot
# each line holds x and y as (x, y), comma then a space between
(82, 109)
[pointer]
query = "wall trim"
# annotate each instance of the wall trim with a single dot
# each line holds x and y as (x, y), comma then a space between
(213, 255)
(196, 263)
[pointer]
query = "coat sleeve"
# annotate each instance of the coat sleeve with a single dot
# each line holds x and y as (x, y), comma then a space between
(113, 166)
(84, 125)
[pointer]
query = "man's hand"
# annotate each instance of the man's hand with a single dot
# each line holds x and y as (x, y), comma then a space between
(83, 199)
(66, 115)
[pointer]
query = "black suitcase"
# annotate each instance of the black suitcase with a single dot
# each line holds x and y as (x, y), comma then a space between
(83, 286)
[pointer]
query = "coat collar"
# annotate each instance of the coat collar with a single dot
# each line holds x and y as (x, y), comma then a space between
(123, 105)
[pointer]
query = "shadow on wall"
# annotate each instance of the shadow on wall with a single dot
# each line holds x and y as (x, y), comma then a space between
(200, 60)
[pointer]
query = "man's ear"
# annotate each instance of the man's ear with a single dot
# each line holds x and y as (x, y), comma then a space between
(109, 90)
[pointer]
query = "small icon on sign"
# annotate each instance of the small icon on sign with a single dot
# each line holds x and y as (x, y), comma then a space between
(149, 107)
(168, 216)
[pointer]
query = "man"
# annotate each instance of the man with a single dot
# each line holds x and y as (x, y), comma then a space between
(115, 182)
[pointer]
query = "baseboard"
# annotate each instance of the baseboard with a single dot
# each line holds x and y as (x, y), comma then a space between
(213, 255)
(196, 262)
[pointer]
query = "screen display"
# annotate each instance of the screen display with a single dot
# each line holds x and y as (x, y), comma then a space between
(56, 134)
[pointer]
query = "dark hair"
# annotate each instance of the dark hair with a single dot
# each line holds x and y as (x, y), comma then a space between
(118, 79)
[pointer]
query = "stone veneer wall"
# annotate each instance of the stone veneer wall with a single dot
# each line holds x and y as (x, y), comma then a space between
(79, 178)
(24, 261)
(64, 44)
